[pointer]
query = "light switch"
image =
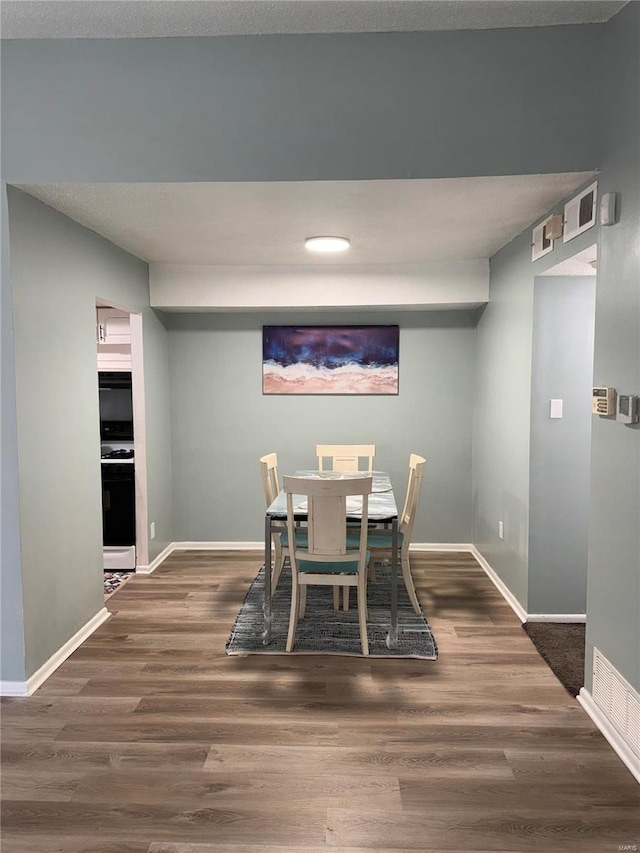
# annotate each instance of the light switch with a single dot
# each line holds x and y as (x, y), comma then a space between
(555, 409)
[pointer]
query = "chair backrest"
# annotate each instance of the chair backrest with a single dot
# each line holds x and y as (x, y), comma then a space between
(414, 487)
(327, 506)
(346, 457)
(269, 472)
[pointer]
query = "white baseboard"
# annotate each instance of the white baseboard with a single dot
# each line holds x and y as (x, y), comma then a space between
(28, 687)
(619, 745)
(556, 617)
(153, 565)
(502, 588)
(259, 546)
(13, 688)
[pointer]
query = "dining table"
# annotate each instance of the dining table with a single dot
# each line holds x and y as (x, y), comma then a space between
(382, 511)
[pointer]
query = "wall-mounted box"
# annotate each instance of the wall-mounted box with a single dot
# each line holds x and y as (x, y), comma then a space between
(603, 401)
(553, 227)
(541, 243)
(628, 409)
(580, 213)
(608, 209)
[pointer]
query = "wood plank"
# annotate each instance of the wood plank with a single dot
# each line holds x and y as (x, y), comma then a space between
(228, 790)
(179, 822)
(173, 729)
(402, 760)
(499, 829)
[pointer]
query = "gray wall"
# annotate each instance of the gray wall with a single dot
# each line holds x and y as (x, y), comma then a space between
(158, 428)
(501, 419)
(560, 459)
(11, 619)
(304, 107)
(613, 590)
(58, 269)
(222, 424)
(501, 451)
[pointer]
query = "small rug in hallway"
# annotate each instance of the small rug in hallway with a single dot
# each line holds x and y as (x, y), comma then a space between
(113, 580)
(561, 644)
(324, 630)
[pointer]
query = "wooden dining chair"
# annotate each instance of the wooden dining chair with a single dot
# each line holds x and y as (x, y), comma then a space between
(271, 486)
(325, 559)
(345, 457)
(379, 541)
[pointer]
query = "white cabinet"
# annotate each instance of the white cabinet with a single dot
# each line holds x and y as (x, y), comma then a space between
(113, 327)
(114, 339)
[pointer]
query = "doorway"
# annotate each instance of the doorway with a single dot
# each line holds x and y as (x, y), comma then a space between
(561, 390)
(120, 369)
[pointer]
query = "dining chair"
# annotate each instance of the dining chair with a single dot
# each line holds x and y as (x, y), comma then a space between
(324, 558)
(345, 457)
(271, 485)
(379, 541)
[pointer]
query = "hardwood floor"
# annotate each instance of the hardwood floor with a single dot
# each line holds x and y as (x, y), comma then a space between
(149, 739)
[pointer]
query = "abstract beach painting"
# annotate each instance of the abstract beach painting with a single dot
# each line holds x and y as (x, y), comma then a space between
(330, 359)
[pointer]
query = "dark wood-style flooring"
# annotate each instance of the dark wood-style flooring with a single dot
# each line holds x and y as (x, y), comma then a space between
(149, 739)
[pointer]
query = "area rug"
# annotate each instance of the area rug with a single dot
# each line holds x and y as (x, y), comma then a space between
(114, 580)
(561, 644)
(324, 630)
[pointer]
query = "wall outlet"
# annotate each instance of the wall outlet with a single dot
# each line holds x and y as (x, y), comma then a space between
(501, 530)
(152, 530)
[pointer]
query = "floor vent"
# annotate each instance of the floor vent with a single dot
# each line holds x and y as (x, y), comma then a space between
(617, 699)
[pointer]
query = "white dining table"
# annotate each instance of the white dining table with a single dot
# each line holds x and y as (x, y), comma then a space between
(382, 510)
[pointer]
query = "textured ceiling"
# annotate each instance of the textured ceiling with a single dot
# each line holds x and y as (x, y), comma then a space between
(388, 222)
(165, 18)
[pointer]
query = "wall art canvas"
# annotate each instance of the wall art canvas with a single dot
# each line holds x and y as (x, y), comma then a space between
(330, 359)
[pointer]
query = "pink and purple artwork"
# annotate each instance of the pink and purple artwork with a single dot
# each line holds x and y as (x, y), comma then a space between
(330, 359)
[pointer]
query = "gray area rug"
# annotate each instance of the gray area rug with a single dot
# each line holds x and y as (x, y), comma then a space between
(324, 630)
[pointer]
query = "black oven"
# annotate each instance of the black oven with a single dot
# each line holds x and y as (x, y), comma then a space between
(116, 405)
(118, 503)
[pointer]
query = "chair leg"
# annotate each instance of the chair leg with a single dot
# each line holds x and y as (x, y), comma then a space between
(278, 566)
(372, 570)
(408, 582)
(278, 563)
(336, 598)
(345, 597)
(293, 617)
(303, 600)
(362, 613)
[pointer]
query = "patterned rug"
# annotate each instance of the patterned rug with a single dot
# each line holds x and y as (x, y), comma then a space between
(113, 580)
(324, 630)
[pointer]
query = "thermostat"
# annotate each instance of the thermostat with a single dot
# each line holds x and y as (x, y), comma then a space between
(603, 401)
(627, 409)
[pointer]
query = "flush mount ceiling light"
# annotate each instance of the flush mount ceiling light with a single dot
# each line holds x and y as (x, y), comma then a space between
(327, 244)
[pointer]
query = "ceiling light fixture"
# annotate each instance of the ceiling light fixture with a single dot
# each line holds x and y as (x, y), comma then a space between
(327, 244)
